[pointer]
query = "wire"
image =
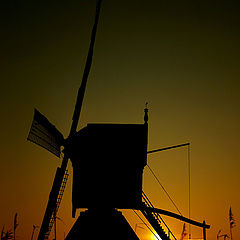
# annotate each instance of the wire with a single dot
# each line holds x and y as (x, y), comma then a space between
(164, 190)
(145, 224)
(189, 190)
(189, 186)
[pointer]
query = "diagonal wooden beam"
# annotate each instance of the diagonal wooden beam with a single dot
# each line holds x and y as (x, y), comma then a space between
(167, 148)
(174, 215)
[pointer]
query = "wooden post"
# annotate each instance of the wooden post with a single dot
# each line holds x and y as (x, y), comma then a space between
(204, 231)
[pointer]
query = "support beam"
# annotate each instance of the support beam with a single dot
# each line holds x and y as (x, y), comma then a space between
(167, 148)
(204, 231)
(174, 215)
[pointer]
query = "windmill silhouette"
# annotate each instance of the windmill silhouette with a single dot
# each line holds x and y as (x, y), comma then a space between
(108, 162)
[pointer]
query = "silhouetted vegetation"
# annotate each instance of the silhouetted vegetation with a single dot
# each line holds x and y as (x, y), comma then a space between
(6, 235)
(9, 234)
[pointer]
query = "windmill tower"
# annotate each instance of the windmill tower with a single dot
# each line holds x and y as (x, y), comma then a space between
(108, 162)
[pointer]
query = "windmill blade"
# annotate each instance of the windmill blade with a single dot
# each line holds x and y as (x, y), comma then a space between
(87, 68)
(45, 134)
(60, 175)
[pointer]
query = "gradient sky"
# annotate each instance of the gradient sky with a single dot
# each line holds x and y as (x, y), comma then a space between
(180, 56)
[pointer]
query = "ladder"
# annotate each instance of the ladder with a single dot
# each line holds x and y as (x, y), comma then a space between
(59, 199)
(155, 220)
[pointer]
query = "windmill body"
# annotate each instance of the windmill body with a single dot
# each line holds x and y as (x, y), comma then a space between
(108, 162)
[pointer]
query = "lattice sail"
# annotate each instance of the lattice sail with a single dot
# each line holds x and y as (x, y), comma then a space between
(45, 134)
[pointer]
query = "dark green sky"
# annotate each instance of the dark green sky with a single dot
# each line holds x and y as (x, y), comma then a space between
(180, 56)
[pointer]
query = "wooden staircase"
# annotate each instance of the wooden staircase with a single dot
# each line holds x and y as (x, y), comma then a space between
(155, 220)
(59, 199)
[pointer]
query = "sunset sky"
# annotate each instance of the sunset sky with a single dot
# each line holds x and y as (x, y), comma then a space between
(182, 57)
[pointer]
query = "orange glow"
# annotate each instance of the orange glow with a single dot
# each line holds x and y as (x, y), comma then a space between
(180, 56)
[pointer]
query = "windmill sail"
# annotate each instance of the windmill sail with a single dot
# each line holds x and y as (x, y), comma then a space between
(54, 146)
(87, 68)
(45, 134)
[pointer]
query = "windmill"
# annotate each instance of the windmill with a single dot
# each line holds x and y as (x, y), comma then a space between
(108, 162)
